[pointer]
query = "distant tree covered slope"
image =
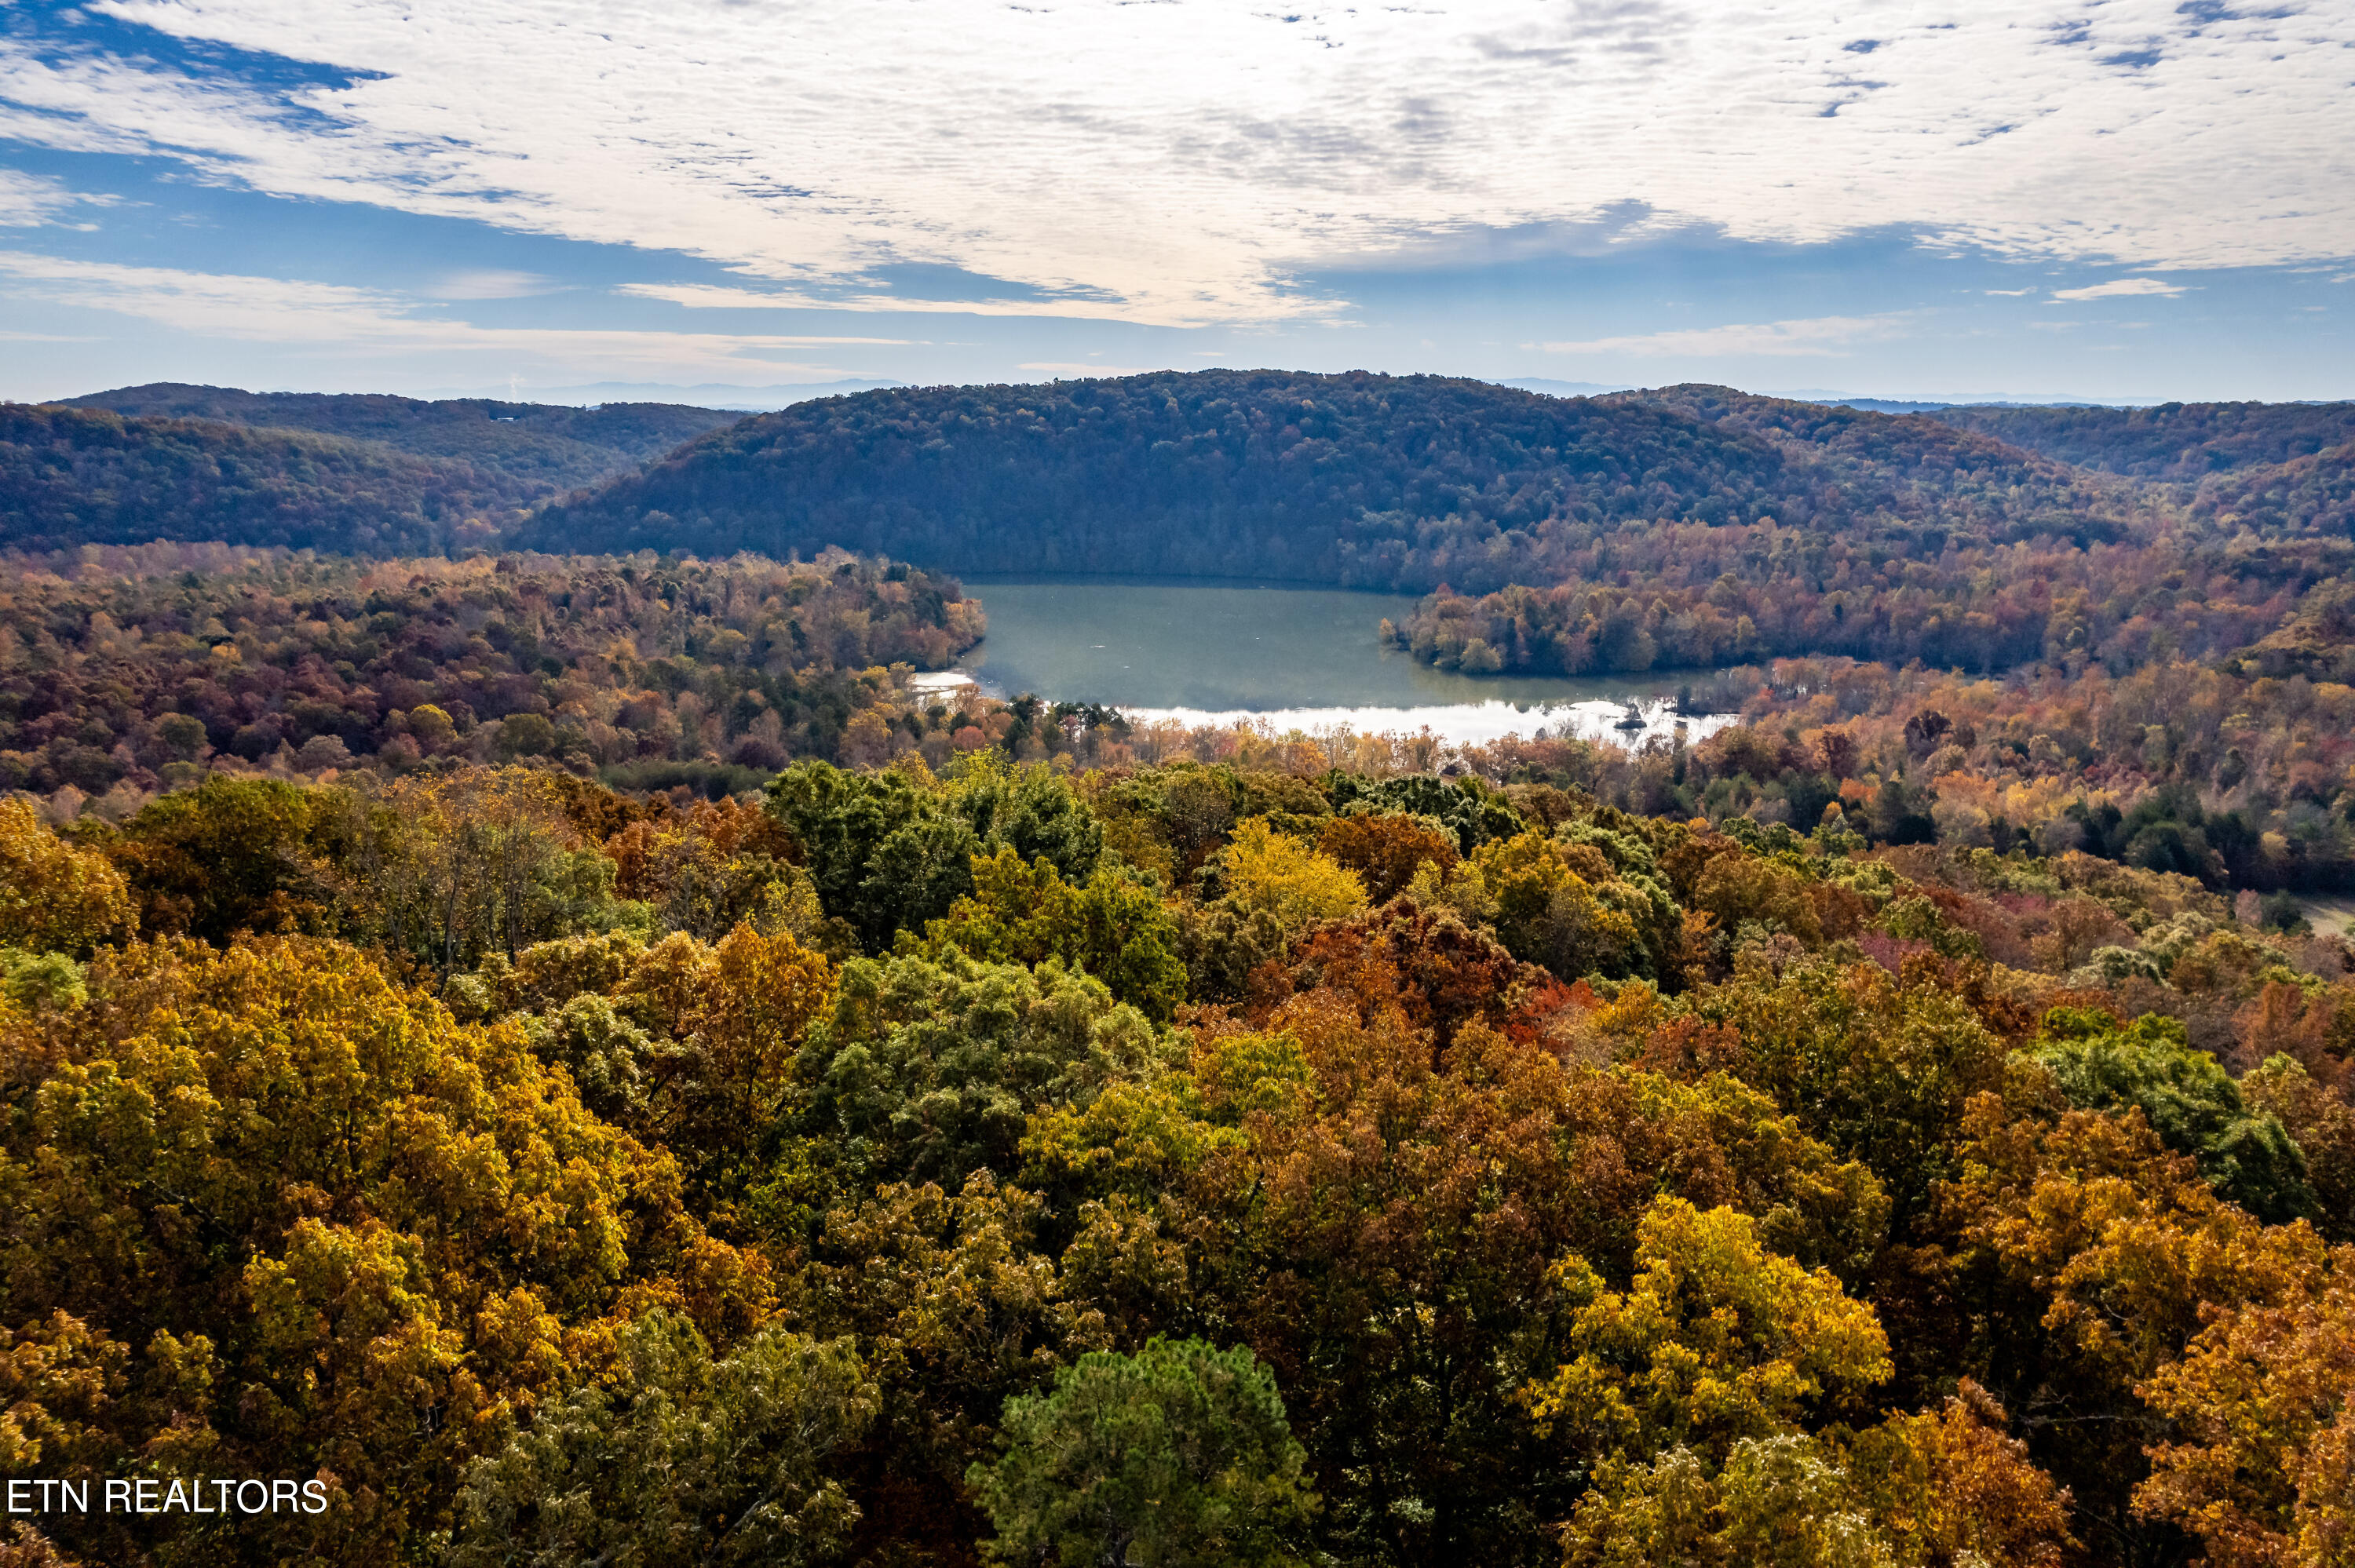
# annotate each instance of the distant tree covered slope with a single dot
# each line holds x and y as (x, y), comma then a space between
(75, 476)
(357, 475)
(130, 676)
(2310, 494)
(2173, 441)
(1359, 479)
(538, 443)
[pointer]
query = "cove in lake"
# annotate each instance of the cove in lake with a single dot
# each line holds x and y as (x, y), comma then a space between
(1296, 658)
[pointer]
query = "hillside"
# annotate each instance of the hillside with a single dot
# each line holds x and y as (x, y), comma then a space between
(2311, 495)
(2280, 468)
(551, 1174)
(130, 678)
(2081, 566)
(539, 444)
(1360, 480)
(74, 476)
(365, 475)
(2180, 443)
(1357, 479)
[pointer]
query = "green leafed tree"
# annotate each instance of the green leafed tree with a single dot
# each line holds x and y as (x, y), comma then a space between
(1113, 928)
(685, 1460)
(2190, 1101)
(1036, 813)
(889, 853)
(928, 1070)
(237, 855)
(1177, 1457)
(886, 856)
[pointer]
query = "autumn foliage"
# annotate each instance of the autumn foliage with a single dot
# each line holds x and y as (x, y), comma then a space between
(1319, 1167)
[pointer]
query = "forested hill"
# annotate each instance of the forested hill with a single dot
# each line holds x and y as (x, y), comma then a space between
(364, 475)
(81, 476)
(2179, 442)
(1358, 479)
(538, 443)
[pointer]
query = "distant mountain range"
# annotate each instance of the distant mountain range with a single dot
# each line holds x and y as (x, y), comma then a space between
(1921, 403)
(1359, 479)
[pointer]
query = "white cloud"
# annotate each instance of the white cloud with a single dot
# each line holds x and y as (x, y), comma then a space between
(713, 297)
(2119, 289)
(2006, 293)
(719, 297)
(330, 319)
(29, 201)
(1816, 337)
(490, 283)
(1183, 163)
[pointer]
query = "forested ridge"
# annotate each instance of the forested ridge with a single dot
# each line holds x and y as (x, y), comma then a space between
(142, 673)
(2178, 441)
(357, 475)
(2198, 569)
(1359, 480)
(554, 444)
(1684, 527)
(73, 476)
(1808, 529)
(1686, 597)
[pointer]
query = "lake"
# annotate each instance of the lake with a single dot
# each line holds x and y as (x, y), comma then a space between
(1296, 658)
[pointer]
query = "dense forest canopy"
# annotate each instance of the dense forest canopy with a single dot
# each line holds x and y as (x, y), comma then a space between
(1243, 1160)
(1686, 597)
(137, 677)
(2181, 568)
(74, 476)
(554, 443)
(2180, 442)
(1358, 480)
(562, 1059)
(359, 476)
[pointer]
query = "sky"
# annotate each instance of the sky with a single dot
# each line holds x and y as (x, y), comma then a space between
(2124, 200)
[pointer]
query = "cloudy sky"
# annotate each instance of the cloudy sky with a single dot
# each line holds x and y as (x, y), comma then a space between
(2123, 199)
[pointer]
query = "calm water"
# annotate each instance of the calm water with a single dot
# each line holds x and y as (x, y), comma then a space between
(1295, 657)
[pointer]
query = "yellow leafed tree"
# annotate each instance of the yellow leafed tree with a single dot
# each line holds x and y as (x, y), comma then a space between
(1272, 872)
(278, 1217)
(54, 897)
